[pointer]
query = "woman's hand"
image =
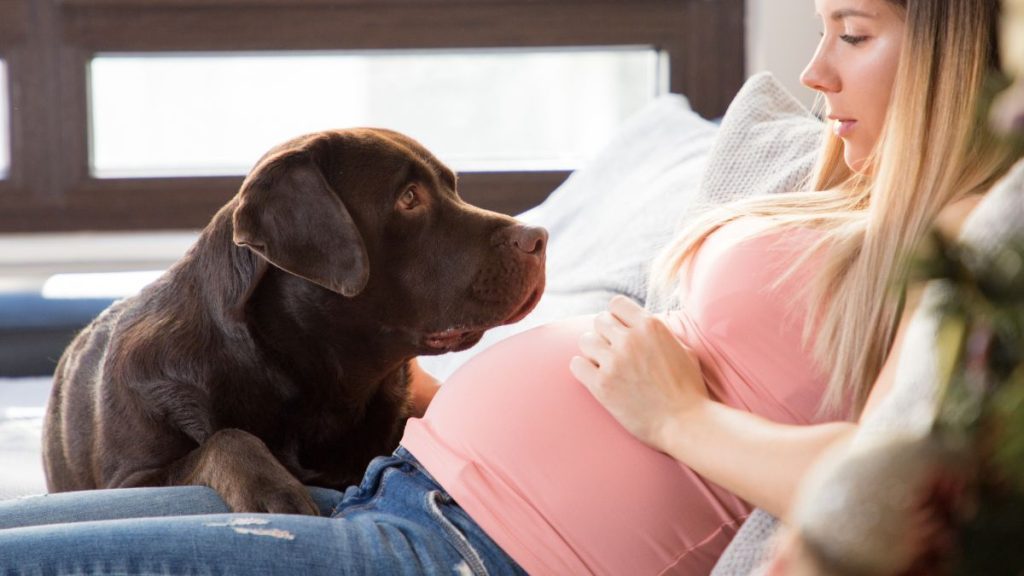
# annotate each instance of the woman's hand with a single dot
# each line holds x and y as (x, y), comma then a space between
(639, 371)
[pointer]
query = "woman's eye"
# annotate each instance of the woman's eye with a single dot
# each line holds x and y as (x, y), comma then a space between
(852, 40)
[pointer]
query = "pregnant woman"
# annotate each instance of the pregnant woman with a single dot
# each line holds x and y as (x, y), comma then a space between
(785, 330)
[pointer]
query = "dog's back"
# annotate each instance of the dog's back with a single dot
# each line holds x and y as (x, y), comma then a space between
(71, 413)
(130, 392)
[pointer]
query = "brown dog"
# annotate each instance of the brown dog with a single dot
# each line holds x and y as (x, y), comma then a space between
(275, 353)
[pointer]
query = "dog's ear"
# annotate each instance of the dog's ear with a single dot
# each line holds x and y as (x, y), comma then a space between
(288, 213)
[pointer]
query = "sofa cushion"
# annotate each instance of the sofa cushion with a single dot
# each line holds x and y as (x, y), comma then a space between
(34, 330)
(768, 144)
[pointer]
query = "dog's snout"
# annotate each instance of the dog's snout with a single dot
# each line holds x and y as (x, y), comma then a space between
(530, 239)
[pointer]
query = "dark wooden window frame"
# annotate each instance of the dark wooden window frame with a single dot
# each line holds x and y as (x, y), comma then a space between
(48, 43)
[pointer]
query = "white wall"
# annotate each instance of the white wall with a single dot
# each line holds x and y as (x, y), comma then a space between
(781, 37)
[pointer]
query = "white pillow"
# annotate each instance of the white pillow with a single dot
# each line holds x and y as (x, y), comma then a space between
(609, 219)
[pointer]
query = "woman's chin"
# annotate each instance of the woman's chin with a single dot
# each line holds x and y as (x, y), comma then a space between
(855, 160)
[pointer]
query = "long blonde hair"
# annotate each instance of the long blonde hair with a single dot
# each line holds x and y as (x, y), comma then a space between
(934, 149)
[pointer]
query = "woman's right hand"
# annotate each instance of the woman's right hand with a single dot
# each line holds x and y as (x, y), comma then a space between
(639, 371)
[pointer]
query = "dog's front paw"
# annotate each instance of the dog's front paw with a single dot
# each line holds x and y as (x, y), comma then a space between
(264, 495)
(241, 468)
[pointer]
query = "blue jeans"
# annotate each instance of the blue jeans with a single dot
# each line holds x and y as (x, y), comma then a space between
(397, 521)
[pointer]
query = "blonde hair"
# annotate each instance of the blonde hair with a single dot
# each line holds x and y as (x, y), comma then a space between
(934, 149)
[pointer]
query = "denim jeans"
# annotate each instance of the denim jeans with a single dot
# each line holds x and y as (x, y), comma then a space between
(397, 521)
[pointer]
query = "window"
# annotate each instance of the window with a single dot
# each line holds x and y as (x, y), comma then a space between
(5, 147)
(85, 153)
(493, 110)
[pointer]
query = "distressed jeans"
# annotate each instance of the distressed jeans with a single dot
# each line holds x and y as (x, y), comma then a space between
(397, 521)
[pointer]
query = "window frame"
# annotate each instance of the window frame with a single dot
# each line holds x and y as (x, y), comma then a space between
(5, 145)
(47, 45)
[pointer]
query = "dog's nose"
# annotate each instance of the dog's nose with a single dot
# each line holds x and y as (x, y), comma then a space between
(530, 239)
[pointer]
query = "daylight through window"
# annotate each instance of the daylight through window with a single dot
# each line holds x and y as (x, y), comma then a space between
(175, 114)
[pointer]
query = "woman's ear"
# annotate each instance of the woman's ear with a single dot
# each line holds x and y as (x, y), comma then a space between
(287, 213)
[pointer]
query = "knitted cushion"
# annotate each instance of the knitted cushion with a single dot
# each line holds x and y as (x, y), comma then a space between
(767, 144)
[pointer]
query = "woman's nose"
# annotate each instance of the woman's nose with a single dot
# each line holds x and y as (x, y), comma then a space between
(819, 74)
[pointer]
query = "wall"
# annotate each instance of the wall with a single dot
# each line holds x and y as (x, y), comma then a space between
(781, 37)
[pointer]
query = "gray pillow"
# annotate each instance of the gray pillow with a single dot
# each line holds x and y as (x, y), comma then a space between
(767, 144)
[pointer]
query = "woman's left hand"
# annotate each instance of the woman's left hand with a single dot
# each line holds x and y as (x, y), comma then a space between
(639, 371)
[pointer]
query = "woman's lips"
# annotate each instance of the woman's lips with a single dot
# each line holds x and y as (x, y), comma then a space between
(842, 128)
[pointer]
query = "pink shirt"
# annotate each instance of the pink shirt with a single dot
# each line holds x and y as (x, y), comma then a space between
(560, 486)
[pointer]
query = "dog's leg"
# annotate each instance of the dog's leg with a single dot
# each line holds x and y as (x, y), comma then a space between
(241, 468)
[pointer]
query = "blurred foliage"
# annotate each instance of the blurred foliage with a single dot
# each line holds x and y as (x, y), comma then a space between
(981, 398)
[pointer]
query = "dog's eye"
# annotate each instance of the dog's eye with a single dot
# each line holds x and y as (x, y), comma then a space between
(409, 199)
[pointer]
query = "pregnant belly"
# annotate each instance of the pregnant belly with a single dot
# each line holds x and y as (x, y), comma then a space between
(517, 416)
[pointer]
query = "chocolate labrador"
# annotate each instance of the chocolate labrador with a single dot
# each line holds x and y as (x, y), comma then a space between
(275, 352)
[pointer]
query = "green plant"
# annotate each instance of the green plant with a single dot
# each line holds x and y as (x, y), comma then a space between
(981, 398)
